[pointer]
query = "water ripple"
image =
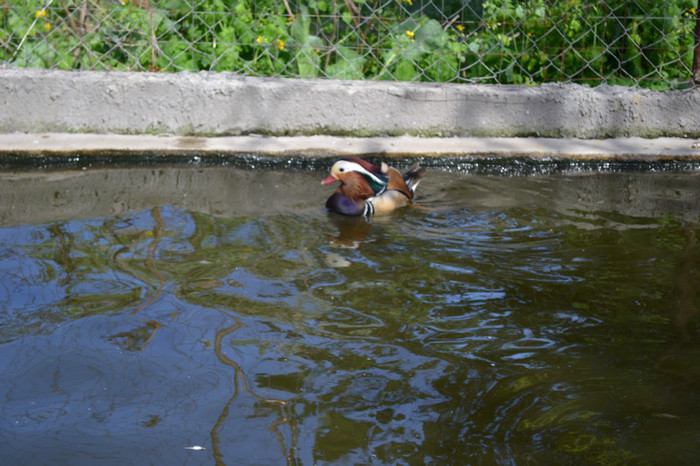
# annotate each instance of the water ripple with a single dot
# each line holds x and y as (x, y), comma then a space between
(524, 320)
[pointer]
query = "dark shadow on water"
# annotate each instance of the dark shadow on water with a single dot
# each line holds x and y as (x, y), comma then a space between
(683, 307)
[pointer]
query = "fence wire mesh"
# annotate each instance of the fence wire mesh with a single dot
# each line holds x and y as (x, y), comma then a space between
(639, 42)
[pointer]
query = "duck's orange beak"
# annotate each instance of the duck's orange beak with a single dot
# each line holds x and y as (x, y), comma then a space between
(329, 180)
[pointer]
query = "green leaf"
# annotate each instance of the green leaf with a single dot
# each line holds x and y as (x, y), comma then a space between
(431, 35)
(348, 65)
(475, 45)
(300, 27)
(308, 62)
(406, 71)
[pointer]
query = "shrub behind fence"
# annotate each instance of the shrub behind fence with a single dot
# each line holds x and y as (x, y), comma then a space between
(640, 42)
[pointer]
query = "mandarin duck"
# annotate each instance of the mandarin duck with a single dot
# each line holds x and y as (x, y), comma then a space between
(366, 189)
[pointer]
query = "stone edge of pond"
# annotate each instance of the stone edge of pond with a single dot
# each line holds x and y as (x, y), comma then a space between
(62, 145)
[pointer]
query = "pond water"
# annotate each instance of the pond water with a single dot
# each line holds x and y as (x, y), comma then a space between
(218, 315)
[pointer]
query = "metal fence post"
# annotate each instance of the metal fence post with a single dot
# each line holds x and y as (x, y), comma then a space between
(696, 53)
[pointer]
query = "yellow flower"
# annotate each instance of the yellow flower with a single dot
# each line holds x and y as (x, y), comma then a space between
(259, 40)
(410, 2)
(279, 44)
(47, 27)
(410, 34)
(460, 27)
(40, 13)
(692, 11)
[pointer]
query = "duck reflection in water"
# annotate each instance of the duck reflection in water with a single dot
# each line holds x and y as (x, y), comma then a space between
(352, 231)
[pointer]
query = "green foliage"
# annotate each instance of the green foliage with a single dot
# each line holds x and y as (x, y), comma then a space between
(589, 41)
(646, 42)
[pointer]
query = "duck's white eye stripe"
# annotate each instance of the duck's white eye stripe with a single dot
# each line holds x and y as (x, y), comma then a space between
(356, 167)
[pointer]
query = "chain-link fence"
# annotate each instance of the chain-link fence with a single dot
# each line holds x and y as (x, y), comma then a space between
(638, 42)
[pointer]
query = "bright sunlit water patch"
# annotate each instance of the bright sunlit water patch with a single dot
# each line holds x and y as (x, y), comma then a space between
(217, 315)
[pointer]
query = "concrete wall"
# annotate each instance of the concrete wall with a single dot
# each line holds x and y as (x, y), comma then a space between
(224, 104)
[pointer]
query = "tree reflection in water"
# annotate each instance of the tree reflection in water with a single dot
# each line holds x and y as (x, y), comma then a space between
(240, 381)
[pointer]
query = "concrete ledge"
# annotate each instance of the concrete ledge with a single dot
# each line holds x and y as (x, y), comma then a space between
(539, 148)
(224, 104)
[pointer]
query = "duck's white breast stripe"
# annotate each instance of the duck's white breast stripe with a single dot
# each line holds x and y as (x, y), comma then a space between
(369, 208)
